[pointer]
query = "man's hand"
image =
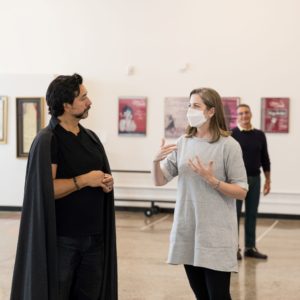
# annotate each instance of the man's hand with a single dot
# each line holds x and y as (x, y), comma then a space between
(267, 187)
(94, 178)
(108, 182)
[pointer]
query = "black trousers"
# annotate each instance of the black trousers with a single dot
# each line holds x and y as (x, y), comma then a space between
(208, 284)
(251, 207)
(80, 267)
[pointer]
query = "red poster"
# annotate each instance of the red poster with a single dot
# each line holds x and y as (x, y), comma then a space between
(230, 110)
(275, 115)
(132, 116)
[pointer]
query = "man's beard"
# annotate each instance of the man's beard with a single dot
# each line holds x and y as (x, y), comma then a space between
(82, 115)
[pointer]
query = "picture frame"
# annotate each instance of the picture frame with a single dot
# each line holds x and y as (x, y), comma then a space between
(275, 115)
(175, 120)
(30, 119)
(230, 105)
(3, 119)
(132, 118)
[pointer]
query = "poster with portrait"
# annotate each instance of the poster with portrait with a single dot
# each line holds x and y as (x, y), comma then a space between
(275, 115)
(230, 110)
(175, 116)
(132, 116)
(3, 119)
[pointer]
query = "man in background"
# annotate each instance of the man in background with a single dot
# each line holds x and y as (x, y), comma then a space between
(255, 154)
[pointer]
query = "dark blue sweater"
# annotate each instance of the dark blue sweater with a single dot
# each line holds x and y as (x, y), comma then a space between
(255, 150)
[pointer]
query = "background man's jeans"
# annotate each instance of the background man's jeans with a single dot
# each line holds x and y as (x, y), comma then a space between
(80, 267)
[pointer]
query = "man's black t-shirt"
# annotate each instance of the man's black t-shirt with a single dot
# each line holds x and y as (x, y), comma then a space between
(81, 212)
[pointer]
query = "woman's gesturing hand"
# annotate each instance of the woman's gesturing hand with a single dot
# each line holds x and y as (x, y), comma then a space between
(164, 151)
(204, 171)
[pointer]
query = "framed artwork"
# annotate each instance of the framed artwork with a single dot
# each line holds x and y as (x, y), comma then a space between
(3, 120)
(230, 110)
(175, 116)
(275, 115)
(132, 116)
(30, 120)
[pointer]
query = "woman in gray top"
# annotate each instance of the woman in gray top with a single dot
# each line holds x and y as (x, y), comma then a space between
(211, 175)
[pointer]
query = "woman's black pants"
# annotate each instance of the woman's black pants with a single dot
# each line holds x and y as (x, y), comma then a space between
(208, 284)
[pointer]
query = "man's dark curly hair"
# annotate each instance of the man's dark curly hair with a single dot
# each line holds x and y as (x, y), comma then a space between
(63, 89)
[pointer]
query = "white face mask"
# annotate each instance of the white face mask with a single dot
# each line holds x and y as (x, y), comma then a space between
(195, 117)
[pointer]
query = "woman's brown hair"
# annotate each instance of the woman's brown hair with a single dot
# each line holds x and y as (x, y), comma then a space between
(217, 125)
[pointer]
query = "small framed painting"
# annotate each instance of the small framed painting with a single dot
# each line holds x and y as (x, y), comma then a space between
(132, 116)
(230, 105)
(3, 119)
(275, 115)
(30, 120)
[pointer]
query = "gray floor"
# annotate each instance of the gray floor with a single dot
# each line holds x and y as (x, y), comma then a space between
(144, 275)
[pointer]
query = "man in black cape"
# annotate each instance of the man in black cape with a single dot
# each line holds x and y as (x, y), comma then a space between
(68, 204)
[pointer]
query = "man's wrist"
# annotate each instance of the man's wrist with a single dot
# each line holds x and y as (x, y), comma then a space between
(76, 183)
(82, 181)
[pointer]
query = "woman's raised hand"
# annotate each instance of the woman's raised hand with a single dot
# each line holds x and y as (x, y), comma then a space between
(164, 151)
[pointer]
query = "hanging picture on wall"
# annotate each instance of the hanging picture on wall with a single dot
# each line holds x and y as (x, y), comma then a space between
(29, 122)
(175, 116)
(275, 115)
(132, 116)
(230, 110)
(3, 120)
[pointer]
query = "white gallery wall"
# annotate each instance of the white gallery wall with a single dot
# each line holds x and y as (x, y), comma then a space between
(248, 49)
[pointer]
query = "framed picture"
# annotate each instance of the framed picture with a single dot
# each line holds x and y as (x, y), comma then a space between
(175, 116)
(3, 120)
(132, 116)
(275, 115)
(230, 110)
(30, 120)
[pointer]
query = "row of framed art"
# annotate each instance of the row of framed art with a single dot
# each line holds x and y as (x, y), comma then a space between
(133, 113)
(132, 117)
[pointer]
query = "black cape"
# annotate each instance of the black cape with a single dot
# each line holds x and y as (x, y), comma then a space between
(35, 271)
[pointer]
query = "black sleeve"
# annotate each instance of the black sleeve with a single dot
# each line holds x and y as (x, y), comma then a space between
(265, 159)
(234, 133)
(54, 151)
